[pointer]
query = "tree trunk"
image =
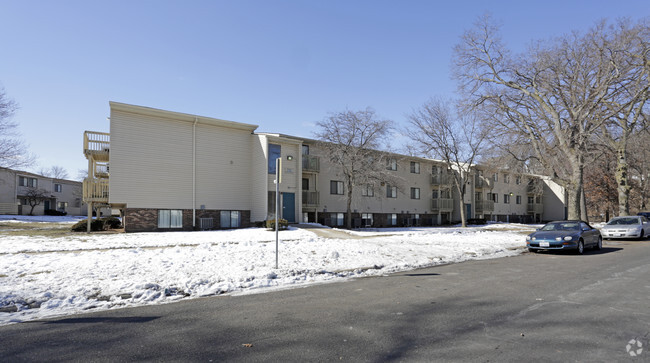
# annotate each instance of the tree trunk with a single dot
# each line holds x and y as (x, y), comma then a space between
(348, 213)
(622, 184)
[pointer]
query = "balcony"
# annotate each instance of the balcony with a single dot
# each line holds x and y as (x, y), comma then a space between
(442, 205)
(536, 208)
(483, 206)
(97, 145)
(310, 199)
(95, 190)
(536, 187)
(481, 182)
(441, 179)
(100, 170)
(310, 163)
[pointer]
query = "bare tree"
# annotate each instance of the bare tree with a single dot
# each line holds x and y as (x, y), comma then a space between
(551, 97)
(451, 136)
(351, 141)
(56, 172)
(34, 197)
(13, 152)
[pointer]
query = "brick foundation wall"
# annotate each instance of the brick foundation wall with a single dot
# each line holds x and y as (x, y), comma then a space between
(146, 220)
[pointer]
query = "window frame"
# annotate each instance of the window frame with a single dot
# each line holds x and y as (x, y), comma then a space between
(391, 191)
(415, 167)
(167, 217)
(415, 193)
(367, 190)
(335, 185)
(272, 156)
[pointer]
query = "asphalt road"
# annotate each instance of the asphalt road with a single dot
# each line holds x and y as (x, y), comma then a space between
(534, 307)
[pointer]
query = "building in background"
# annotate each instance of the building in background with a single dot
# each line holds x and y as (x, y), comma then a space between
(60, 195)
(175, 171)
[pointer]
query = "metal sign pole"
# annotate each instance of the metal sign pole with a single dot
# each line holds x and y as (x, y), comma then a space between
(278, 166)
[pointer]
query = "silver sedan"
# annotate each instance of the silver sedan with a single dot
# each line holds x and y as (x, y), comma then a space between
(626, 227)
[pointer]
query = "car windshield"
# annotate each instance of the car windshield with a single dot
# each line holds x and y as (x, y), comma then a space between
(623, 221)
(561, 226)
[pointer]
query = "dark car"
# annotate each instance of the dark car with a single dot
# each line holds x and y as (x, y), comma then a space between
(565, 235)
(645, 214)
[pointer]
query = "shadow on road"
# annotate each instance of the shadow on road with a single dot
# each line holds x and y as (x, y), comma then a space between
(126, 319)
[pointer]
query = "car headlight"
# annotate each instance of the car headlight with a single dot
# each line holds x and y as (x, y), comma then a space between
(568, 238)
(558, 238)
(527, 238)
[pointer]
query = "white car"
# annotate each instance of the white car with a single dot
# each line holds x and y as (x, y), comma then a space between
(626, 227)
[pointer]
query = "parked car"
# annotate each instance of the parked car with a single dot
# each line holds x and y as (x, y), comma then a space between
(565, 235)
(645, 214)
(626, 227)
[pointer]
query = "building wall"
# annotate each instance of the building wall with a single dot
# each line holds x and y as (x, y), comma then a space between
(11, 193)
(554, 201)
(152, 163)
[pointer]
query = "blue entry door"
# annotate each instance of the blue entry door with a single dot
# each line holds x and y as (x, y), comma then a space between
(289, 207)
(468, 211)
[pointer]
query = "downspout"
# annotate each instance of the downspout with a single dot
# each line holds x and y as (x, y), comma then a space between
(196, 119)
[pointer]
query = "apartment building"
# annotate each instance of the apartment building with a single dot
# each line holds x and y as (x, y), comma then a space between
(176, 171)
(58, 194)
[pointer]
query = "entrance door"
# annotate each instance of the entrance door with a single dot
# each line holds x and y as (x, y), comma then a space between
(468, 211)
(289, 207)
(46, 204)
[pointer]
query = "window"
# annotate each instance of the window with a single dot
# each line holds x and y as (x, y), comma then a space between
(435, 169)
(494, 197)
(27, 182)
(336, 187)
(230, 219)
(435, 194)
(305, 184)
(415, 193)
(531, 200)
(538, 199)
(445, 194)
(478, 196)
(77, 202)
(391, 164)
(275, 152)
(61, 206)
(366, 219)
(337, 219)
(506, 199)
(305, 149)
(518, 180)
(58, 188)
(391, 192)
(392, 219)
(170, 218)
(506, 178)
(495, 177)
(367, 190)
(415, 167)
(519, 199)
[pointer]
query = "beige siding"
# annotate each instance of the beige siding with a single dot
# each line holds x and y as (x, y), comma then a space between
(223, 173)
(150, 161)
(554, 201)
(259, 179)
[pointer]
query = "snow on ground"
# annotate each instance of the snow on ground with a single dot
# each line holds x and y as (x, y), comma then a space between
(45, 277)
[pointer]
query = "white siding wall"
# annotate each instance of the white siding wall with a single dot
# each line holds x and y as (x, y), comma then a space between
(223, 173)
(554, 201)
(151, 161)
(259, 180)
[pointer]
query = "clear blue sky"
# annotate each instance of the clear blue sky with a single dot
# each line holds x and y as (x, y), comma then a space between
(282, 65)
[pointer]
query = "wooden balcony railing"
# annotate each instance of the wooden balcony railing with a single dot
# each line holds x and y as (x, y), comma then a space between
(97, 144)
(310, 163)
(310, 199)
(442, 205)
(95, 190)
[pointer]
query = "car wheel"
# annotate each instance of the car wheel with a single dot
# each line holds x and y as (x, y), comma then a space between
(599, 244)
(581, 247)
(641, 236)
(532, 250)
